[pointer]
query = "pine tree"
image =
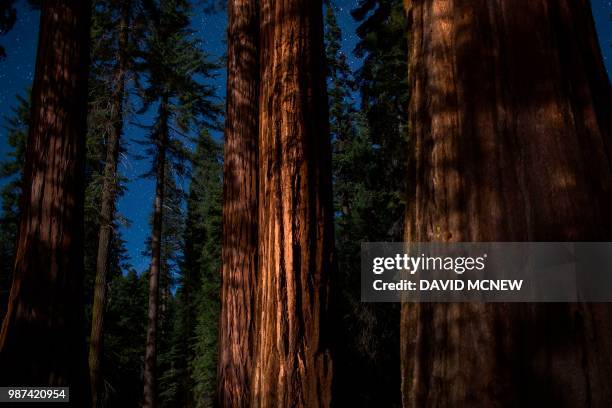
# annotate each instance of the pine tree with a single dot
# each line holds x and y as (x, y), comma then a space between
(169, 360)
(42, 338)
(384, 95)
(367, 148)
(175, 67)
(124, 339)
(205, 202)
(188, 364)
(116, 32)
(12, 171)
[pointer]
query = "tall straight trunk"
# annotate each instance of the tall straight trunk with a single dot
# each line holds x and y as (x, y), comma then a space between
(150, 379)
(42, 340)
(240, 245)
(107, 211)
(293, 365)
(510, 118)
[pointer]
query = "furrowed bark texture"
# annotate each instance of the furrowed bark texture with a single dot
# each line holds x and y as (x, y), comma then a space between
(42, 340)
(293, 365)
(150, 377)
(510, 119)
(107, 210)
(240, 243)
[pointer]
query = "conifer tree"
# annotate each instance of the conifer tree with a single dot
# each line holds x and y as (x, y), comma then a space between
(367, 148)
(206, 203)
(188, 361)
(511, 125)
(116, 31)
(240, 172)
(176, 69)
(11, 169)
(42, 339)
(293, 360)
(169, 360)
(124, 339)
(383, 89)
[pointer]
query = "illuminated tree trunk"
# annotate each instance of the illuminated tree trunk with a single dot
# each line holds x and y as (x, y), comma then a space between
(42, 340)
(239, 206)
(292, 365)
(150, 377)
(510, 118)
(107, 211)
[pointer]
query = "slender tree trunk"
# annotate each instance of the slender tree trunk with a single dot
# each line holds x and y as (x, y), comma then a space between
(510, 118)
(240, 243)
(293, 365)
(150, 379)
(42, 340)
(107, 211)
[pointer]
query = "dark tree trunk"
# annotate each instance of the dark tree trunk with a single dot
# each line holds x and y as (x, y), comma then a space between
(150, 378)
(42, 340)
(107, 211)
(240, 243)
(512, 143)
(293, 365)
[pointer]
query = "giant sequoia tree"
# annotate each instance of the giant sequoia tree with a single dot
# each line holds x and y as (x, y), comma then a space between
(292, 365)
(512, 143)
(239, 205)
(42, 338)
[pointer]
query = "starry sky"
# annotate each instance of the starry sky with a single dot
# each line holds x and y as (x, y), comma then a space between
(16, 73)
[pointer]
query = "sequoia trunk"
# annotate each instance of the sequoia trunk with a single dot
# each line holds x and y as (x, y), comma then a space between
(240, 244)
(150, 378)
(107, 211)
(42, 340)
(292, 364)
(512, 143)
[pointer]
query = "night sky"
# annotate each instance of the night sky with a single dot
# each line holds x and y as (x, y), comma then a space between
(16, 73)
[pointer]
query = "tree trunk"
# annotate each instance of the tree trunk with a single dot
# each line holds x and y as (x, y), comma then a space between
(292, 365)
(42, 340)
(150, 380)
(107, 211)
(239, 269)
(512, 143)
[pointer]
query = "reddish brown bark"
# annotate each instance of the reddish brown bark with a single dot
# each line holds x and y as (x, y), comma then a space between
(512, 143)
(150, 377)
(292, 365)
(239, 270)
(42, 340)
(107, 210)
